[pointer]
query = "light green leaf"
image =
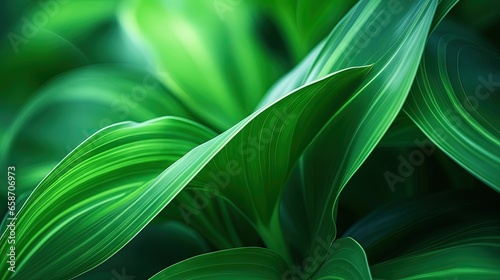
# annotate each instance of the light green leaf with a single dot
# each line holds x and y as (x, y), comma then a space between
(347, 260)
(214, 41)
(89, 205)
(238, 263)
(455, 102)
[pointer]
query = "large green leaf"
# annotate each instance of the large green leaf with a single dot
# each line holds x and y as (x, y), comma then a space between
(252, 177)
(400, 30)
(239, 263)
(101, 210)
(86, 208)
(350, 42)
(455, 102)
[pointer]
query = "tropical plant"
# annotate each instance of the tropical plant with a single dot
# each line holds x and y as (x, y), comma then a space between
(230, 139)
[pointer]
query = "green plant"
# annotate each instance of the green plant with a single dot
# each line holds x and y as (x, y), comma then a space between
(245, 168)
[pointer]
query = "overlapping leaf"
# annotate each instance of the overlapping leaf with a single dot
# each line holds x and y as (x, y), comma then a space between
(400, 30)
(345, 260)
(86, 208)
(248, 165)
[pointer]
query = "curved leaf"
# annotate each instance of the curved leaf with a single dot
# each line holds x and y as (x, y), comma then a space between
(400, 30)
(86, 208)
(101, 213)
(238, 263)
(455, 102)
(252, 177)
(347, 261)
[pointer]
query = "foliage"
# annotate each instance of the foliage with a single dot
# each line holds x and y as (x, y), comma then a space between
(227, 139)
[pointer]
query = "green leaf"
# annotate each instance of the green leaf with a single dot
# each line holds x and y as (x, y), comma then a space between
(454, 101)
(400, 30)
(347, 260)
(252, 177)
(90, 204)
(238, 263)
